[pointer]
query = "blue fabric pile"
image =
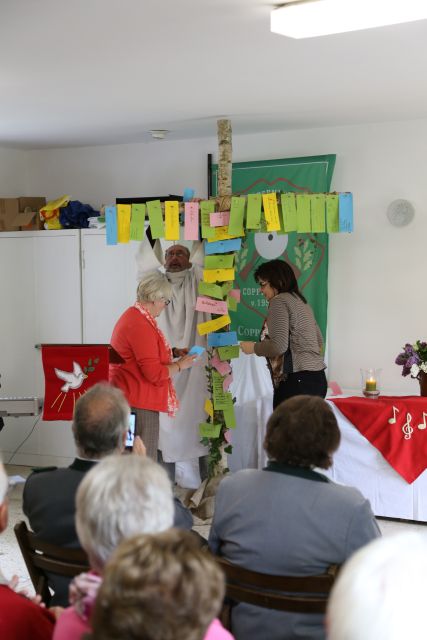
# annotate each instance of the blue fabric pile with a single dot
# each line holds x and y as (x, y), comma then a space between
(75, 215)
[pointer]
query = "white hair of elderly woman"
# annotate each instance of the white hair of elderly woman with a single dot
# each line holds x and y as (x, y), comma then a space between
(4, 483)
(153, 286)
(121, 496)
(380, 593)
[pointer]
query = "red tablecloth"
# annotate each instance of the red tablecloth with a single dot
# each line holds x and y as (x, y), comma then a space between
(395, 425)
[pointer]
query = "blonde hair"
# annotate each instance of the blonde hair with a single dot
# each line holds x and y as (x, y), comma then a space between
(153, 286)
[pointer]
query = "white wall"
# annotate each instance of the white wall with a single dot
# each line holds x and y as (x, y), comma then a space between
(13, 167)
(377, 290)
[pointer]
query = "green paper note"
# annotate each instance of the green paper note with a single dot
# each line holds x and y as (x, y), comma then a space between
(332, 213)
(237, 214)
(155, 217)
(210, 289)
(303, 213)
(289, 212)
(226, 288)
(229, 417)
(318, 212)
(221, 399)
(232, 303)
(137, 222)
(253, 216)
(206, 208)
(208, 430)
(219, 261)
(228, 353)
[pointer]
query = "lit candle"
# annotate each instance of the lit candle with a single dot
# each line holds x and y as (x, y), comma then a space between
(371, 384)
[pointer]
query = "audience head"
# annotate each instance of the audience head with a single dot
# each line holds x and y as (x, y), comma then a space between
(303, 432)
(380, 592)
(158, 587)
(154, 286)
(177, 258)
(280, 276)
(120, 497)
(100, 421)
(4, 484)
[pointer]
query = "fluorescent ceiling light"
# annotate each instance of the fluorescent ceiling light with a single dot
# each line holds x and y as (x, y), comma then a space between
(310, 18)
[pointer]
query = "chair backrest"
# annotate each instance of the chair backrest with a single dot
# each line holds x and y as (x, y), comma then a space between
(41, 557)
(298, 594)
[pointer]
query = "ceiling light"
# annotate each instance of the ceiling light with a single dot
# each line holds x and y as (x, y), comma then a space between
(159, 134)
(310, 18)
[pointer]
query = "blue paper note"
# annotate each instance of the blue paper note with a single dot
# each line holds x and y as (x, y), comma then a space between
(111, 224)
(196, 350)
(222, 246)
(188, 195)
(222, 339)
(346, 211)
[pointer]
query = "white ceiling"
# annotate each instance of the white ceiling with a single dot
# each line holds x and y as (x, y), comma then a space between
(90, 72)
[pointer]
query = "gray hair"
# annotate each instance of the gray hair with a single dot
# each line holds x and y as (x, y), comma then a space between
(4, 483)
(101, 418)
(380, 592)
(119, 497)
(153, 286)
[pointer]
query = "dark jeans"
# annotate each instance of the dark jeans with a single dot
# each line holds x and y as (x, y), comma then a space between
(310, 383)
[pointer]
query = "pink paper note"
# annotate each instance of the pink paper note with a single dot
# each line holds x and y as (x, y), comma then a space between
(228, 436)
(235, 293)
(191, 221)
(223, 368)
(220, 219)
(228, 380)
(207, 305)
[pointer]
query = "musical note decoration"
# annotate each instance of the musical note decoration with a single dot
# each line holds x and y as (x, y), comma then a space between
(393, 419)
(406, 427)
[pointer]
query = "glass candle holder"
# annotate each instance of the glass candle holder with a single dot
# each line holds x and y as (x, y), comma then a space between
(371, 382)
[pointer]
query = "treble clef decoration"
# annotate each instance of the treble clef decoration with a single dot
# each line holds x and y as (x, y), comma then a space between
(406, 428)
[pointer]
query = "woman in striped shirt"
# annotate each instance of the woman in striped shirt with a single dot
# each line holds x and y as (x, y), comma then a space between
(290, 338)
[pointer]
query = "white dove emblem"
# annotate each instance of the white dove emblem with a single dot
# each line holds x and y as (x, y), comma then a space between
(74, 379)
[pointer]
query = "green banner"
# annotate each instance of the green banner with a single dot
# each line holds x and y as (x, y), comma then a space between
(307, 253)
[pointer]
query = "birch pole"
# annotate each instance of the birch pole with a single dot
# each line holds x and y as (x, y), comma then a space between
(225, 155)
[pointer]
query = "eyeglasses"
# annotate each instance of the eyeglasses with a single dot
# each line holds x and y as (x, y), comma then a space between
(262, 284)
(166, 301)
(175, 254)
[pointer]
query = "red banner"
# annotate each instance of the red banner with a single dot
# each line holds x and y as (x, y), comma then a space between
(69, 371)
(396, 426)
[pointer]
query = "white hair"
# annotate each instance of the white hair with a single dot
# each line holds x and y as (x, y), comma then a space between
(153, 286)
(380, 592)
(4, 483)
(121, 496)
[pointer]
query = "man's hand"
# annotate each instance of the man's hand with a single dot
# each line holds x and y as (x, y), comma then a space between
(247, 347)
(139, 447)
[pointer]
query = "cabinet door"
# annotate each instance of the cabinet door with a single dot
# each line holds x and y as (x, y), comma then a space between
(108, 283)
(41, 302)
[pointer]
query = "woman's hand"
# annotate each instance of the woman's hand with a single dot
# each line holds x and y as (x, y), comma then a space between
(247, 347)
(186, 361)
(179, 353)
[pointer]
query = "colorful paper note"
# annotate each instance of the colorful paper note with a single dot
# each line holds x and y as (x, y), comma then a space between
(209, 289)
(226, 288)
(221, 233)
(222, 339)
(123, 223)
(155, 217)
(111, 224)
(289, 212)
(332, 213)
(220, 261)
(227, 381)
(218, 275)
(213, 325)
(222, 367)
(253, 215)
(271, 211)
(208, 430)
(207, 305)
(318, 210)
(171, 220)
(221, 399)
(228, 353)
(206, 208)
(137, 222)
(303, 213)
(228, 436)
(188, 194)
(235, 293)
(209, 407)
(220, 219)
(346, 211)
(237, 215)
(223, 246)
(229, 417)
(231, 303)
(191, 221)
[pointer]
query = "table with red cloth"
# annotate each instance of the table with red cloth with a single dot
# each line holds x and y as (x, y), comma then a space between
(383, 452)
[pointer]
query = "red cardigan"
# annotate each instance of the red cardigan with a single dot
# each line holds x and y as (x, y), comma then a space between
(20, 619)
(143, 377)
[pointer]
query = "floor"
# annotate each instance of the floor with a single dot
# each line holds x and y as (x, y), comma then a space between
(11, 561)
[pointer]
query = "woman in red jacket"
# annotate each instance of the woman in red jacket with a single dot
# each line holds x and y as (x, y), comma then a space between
(145, 376)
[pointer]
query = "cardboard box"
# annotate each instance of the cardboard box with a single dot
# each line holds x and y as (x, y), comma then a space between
(21, 213)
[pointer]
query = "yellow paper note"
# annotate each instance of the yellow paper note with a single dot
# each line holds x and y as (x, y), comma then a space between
(218, 275)
(213, 325)
(171, 220)
(209, 407)
(221, 233)
(123, 222)
(271, 211)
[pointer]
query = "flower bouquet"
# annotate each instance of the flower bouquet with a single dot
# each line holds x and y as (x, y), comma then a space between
(413, 359)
